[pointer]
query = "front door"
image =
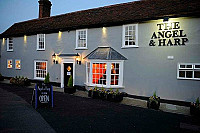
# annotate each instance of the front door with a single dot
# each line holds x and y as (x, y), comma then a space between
(68, 70)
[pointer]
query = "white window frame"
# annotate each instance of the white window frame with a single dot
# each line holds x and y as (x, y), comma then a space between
(108, 72)
(38, 36)
(35, 69)
(16, 64)
(136, 36)
(77, 39)
(11, 63)
(8, 43)
(187, 69)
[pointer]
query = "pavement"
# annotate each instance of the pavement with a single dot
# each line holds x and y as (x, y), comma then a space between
(16, 115)
(79, 114)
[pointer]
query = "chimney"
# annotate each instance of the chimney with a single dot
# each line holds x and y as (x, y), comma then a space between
(44, 8)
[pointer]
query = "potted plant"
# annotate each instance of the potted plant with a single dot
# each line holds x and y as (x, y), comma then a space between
(109, 95)
(117, 96)
(153, 102)
(195, 108)
(90, 92)
(95, 92)
(102, 93)
(70, 88)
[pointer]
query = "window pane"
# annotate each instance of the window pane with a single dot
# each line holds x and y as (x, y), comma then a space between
(182, 74)
(196, 74)
(99, 73)
(189, 74)
(188, 66)
(182, 66)
(197, 66)
(41, 69)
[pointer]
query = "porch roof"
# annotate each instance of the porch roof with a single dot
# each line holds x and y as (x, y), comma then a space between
(105, 53)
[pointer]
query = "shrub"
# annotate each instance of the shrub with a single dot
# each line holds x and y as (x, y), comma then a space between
(70, 81)
(46, 80)
(21, 81)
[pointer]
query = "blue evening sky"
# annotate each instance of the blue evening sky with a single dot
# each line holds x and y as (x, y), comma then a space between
(13, 11)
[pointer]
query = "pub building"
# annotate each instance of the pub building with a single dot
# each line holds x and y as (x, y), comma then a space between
(137, 47)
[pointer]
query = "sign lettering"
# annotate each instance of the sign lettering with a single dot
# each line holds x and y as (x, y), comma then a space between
(169, 34)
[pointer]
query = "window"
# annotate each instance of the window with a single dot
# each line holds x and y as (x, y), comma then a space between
(81, 39)
(40, 69)
(9, 63)
(130, 36)
(114, 73)
(106, 74)
(9, 44)
(99, 73)
(17, 64)
(87, 72)
(40, 41)
(189, 71)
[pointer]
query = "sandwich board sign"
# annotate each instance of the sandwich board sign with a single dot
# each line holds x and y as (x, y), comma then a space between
(43, 96)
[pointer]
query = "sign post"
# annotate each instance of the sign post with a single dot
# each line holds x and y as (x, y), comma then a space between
(43, 96)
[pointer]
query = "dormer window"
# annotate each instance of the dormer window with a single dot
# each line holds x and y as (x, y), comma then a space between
(9, 44)
(40, 41)
(81, 39)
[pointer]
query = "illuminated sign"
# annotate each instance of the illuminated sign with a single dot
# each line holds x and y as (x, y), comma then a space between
(169, 34)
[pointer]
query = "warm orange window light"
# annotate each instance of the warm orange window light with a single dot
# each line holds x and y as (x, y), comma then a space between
(9, 65)
(99, 73)
(18, 64)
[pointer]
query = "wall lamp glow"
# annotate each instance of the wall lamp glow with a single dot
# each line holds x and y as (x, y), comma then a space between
(165, 19)
(54, 57)
(78, 59)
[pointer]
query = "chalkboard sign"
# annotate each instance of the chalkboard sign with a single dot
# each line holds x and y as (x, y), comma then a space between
(43, 95)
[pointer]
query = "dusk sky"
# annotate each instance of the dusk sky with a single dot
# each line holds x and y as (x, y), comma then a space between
(13, 11)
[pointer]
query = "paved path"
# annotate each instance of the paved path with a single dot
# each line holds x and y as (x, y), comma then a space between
(76, 114)
(16, 115)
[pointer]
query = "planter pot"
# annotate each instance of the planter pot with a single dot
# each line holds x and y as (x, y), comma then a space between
(69, 90)
(118, 98)
(153, 104)
(109, 97)
(95, 94)
(194, 110)
(102, 95)
(90, 93)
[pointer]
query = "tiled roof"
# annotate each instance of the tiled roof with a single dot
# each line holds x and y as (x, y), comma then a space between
(105, 53)
(131, 12)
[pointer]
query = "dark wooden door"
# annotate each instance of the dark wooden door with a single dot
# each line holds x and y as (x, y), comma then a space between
(68, 70)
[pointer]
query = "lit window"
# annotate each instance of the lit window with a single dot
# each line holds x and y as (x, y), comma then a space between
(99, 73)
(188, 71)
(114, 74)
(40, 69)
(130, 35)
(9, 44)
(9, 63)
(81, 39)
(106, 74)
(17, 64)
(40, 41)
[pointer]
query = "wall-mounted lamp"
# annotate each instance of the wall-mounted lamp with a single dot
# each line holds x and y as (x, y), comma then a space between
(78, 59)
(165, 19)
(54, 59)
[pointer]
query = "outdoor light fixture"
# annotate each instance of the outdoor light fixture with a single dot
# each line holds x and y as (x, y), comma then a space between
(78, 59)
(54, 59)
(165, 19)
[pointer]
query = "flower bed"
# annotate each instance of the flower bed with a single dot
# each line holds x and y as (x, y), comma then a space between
(20, 81)
(109, 95)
